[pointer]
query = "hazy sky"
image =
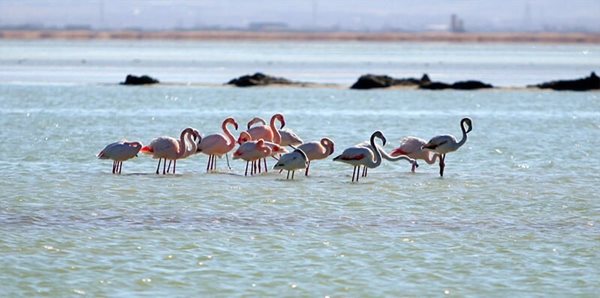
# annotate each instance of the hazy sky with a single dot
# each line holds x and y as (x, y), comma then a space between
(344, 14)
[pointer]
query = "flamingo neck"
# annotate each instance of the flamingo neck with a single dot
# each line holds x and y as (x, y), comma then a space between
(328, 144)
(228, 134)
(377, 155)
(256, 120)
(431, 157)
(464, 137)
(276, 134)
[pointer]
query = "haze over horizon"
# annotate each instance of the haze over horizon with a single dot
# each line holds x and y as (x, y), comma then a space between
(352, 15)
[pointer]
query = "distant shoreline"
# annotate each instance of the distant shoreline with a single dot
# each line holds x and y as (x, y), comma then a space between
(500, 37)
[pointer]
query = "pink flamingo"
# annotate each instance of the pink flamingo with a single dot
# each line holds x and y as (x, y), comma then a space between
(413, 148)
(275, 149)
(359, 155)
(288, 137)
(217, 144)
(443, 144)
(252, 151)
(268, 133)
(171, 149)
(120, 152)
(317, 150)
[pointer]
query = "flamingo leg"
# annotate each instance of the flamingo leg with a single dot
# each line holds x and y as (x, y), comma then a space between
(208, 163)
(246, 173)
(353, 173)
(288, 175)
(265, 160)
(120, 166)
(158, 167)
(169, 167)
(414, 167)
(442, 164)
(307, 167)
(164, 166)
(293, 172)
(113, 169)
(259, 166)
(174, 165)
(214, 163)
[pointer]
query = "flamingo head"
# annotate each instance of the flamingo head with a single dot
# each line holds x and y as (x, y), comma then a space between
(244, 137)
(468, 123)
(280, 118)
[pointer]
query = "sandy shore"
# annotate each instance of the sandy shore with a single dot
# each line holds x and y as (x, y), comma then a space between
(303, 36)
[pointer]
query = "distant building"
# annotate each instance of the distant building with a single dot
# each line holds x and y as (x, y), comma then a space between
(456, 24)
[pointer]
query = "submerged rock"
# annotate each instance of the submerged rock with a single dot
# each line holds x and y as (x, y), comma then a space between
(258, 79)
(370, 81)
(143, 80)
(584, 84)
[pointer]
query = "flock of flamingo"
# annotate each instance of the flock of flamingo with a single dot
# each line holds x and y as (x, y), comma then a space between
(261, 141)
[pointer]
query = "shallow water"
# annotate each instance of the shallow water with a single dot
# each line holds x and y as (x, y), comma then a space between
(515, 214)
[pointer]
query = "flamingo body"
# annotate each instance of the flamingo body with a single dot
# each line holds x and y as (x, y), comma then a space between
(444, 144)
(317, 150)
(291, 162)
(120, 152)
(413, 148)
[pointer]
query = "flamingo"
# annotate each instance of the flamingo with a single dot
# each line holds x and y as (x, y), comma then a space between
(268, 133)
(443, 144)
(171, 148)
(386, 156)
(252, 151)
(413, 148)
(120, 152)
(363, 156)
(217, 144)
(288, 137)
(275, 149)
(292, 161)
(317, 150)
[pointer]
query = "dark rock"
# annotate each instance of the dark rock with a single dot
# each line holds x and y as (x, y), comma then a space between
(470, 85)
(584, 84)
(258, 79)
(370, 81)
(435, 86)
(461, 85)
(143, 80)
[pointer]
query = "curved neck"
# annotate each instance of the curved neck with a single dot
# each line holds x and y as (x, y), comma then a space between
(183, 149)
(464, 136)
(431, 157)
(256, 120)
(228, 134)
(276, 134)
(328, 144)
(375, 149)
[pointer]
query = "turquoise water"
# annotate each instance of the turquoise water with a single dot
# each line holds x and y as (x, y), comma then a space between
(515, 214)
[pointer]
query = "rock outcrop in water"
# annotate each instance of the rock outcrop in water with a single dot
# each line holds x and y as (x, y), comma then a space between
(461, 85)
(370, 81)
(143, 80)
(584, 84)
(259, 79)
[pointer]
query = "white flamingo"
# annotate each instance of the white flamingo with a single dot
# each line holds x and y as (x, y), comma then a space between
(120, 152)
(358, 155)
(317, 150)
(292, 161)
(443, 144)
(413, 148)
(168, 148)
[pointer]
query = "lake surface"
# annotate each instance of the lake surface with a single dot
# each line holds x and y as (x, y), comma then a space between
(516, 214)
